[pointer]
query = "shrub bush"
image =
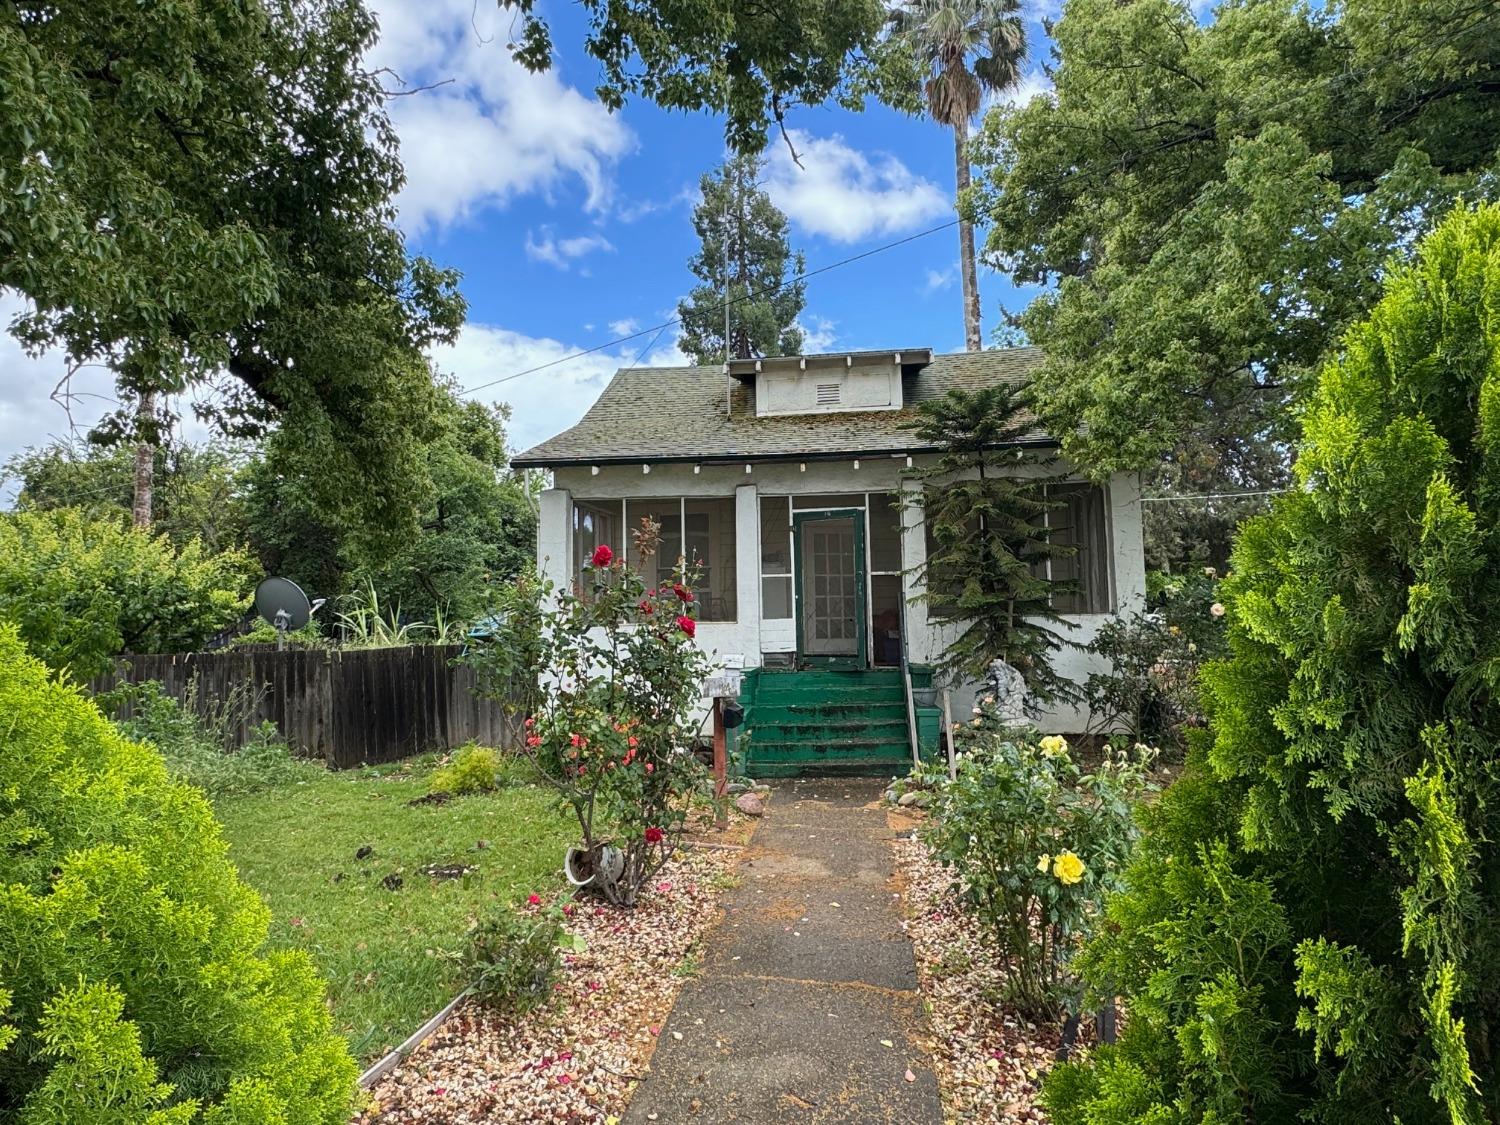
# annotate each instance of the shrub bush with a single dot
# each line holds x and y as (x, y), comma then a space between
(472, 769)
(1311, 931)
(1151, 692)
(139, 985)
(1034, 842)
(196, 743)
(513, 960)
(81, 591)
(617, 677)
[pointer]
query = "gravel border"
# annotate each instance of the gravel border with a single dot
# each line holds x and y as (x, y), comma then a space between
(989, 1061)
(578, 1060)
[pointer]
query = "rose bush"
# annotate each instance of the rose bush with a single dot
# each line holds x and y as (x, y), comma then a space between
(1034, 843)
(611, 716)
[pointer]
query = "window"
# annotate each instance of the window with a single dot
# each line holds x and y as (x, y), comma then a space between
(1080, 520)
(697, 535)
(775, 558)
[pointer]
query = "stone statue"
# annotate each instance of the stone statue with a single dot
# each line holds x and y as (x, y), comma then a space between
(1009, 689)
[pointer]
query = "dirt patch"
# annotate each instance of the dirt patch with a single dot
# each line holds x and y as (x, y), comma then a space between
(441, 797)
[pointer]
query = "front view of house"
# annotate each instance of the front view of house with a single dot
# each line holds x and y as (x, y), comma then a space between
(785, 482)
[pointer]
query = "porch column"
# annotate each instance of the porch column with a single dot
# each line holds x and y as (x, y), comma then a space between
(919, 640)
(554, 537)
(747, 564)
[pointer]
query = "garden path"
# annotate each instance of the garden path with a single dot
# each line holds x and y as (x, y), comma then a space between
(806, 1008)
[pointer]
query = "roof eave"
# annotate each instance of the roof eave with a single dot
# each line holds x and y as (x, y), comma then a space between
(528, 461)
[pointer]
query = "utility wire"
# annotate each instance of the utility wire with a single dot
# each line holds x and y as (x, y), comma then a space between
(1073, 174)
(662, 327)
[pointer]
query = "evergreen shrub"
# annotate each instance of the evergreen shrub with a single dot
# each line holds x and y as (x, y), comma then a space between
(1311, 930)
(138, 983)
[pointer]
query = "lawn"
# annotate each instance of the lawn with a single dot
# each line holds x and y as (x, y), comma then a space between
(388, 954)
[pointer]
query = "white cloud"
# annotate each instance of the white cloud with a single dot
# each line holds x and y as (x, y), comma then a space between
(624, 327)
(847, 195)
(818, 335)
(544, 402)
(1033, 84)
(494, 130)
(563, 252)
(37, 409)
(940, 279)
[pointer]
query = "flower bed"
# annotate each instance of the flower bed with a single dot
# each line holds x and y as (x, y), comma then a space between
(577, 1060)
(989, 1061)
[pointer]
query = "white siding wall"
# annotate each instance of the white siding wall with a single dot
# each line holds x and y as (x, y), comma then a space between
(749, 637)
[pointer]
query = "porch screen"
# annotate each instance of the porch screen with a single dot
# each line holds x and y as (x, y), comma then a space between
(775, 558)
(697, 537)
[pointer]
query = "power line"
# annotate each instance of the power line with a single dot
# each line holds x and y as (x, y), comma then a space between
(1072, 174)
(662, 327)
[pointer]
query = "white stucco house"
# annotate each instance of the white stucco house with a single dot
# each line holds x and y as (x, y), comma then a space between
(783, 479)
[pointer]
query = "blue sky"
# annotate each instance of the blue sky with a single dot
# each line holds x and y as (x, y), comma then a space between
(571, 225)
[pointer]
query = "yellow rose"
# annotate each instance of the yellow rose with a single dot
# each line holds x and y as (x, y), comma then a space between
(1068, 868)
(1054, 745)
(1044, 863)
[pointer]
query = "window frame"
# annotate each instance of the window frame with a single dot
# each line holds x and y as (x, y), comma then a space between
(681, 500)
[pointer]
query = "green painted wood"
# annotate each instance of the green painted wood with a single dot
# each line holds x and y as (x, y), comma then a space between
(824, 722)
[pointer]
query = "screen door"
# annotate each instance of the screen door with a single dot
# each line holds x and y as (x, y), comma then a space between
(831, 595)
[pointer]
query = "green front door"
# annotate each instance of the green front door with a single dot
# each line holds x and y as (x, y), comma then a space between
(830, 587)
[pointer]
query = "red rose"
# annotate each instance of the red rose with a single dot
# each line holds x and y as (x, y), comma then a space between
(533, 900)
(602, 557)
(647, 607)
(654, 835)
(687, 625)
(682, 592)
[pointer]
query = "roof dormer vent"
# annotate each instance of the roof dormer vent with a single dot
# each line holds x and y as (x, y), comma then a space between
(828, 394)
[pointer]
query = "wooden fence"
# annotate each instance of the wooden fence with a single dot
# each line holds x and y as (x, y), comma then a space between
(346, 707)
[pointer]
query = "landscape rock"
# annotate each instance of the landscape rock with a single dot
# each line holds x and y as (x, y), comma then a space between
(750, 804)
(914, 799)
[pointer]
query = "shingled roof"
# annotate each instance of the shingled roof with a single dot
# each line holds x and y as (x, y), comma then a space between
(657, 414)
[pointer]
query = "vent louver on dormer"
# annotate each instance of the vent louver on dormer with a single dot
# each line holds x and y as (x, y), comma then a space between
(828, 394)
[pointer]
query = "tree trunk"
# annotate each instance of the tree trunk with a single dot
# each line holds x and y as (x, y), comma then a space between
(145, 461)
(972, 339)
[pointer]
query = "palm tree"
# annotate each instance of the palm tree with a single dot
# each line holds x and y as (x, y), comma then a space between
(964, 47)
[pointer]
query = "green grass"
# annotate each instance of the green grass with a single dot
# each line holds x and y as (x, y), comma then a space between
(389, 956)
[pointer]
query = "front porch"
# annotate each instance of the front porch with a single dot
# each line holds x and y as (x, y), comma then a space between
(828, 722)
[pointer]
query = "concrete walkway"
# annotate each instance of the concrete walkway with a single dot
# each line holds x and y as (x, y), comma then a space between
(803, 982)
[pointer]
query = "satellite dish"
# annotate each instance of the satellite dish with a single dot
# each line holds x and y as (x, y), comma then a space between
(282, 603)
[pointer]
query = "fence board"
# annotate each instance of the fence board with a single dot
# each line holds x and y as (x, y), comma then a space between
(347, 707)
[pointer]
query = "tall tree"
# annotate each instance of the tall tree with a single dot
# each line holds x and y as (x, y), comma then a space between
(1208, 206)
(197, 488)
(746, 59)
(987, 539)
(1311, 930)
(476, 521)
(962, 48)
(744, 256)
(226, 170)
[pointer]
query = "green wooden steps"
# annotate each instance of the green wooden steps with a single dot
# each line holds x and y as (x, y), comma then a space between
(825, 723)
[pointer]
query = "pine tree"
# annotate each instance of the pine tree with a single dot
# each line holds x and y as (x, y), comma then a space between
(744, 249)
(987, 539)
(1312, 927)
